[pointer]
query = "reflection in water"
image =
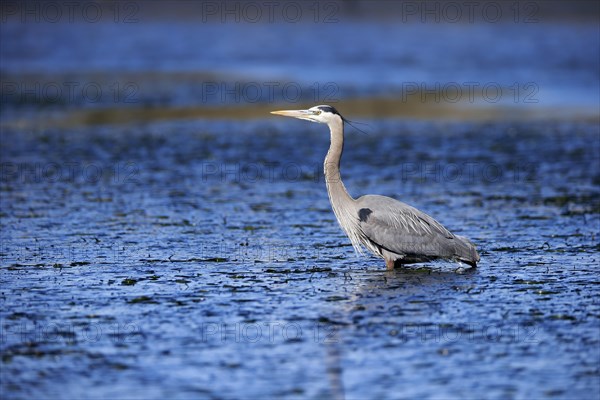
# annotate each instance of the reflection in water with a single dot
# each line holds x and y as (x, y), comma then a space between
(334, 367)
(372, 291)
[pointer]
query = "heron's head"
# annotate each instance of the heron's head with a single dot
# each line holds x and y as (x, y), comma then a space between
(321, 114)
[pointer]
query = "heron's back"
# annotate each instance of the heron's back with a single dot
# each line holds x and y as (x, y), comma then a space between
(395, 229)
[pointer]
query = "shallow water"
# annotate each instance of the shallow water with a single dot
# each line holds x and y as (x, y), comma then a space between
(187, 259)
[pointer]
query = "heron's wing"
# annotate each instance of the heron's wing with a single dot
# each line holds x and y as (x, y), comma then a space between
(402, 229)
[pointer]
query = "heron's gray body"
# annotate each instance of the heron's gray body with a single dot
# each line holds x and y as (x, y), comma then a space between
(402, 234)
(390, 229)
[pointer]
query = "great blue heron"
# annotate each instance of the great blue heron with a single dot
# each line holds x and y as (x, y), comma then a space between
(390, 229)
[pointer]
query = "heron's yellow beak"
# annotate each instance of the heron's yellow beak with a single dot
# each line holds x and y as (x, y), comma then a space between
(301, 114)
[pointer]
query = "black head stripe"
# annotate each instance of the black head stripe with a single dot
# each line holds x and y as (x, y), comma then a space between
(329, 109)
(332, 110)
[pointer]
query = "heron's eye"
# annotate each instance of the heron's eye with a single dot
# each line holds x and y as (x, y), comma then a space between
(317, 112)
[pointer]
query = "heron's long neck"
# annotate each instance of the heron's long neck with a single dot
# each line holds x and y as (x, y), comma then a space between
(335, 187)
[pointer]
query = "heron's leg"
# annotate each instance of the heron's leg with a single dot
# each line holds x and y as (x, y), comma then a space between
(389, 264)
